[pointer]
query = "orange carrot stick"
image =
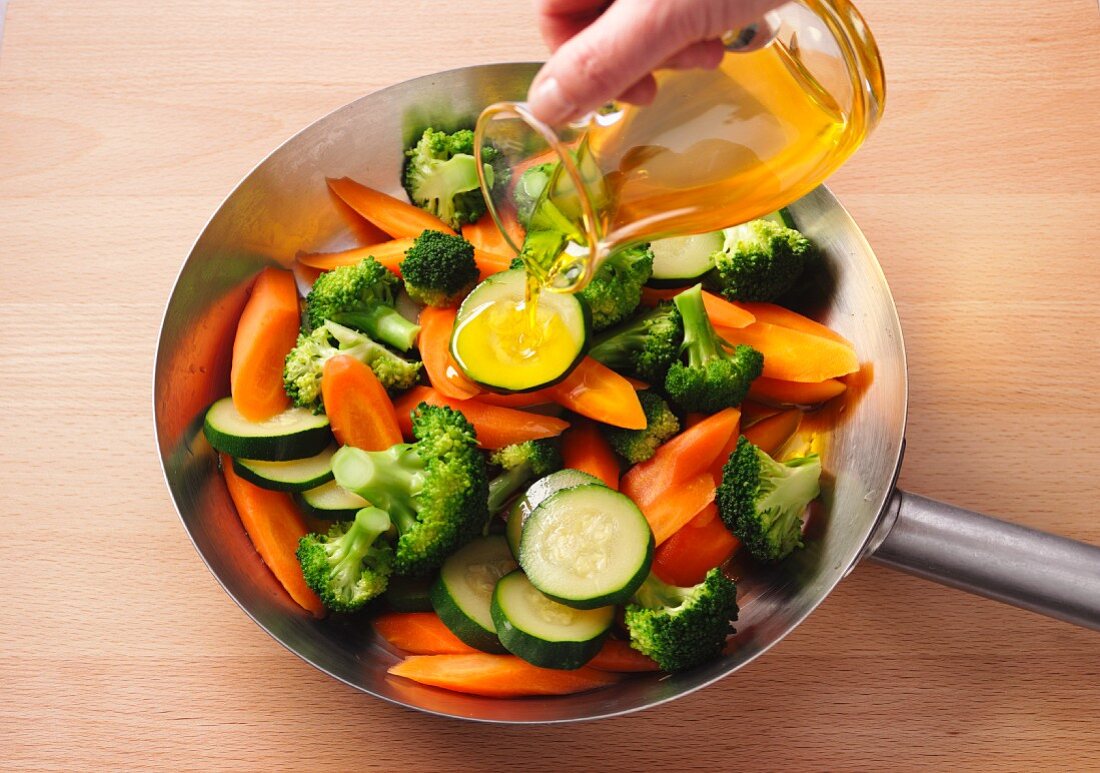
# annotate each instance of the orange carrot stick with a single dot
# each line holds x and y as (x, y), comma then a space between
(793, 355)
(274, 524)
(702, 544)
(419, 633)
(485, 236)
(395, 217)
(752, 411)
(722, 313)
(594, 390)
(616, 655)
(724, 454)
(778, 315)
(498, 676)
(518, 400)
(772, 433)
(675, 506)
(682, 458)
(584, 448)
(358, 408)
(489, 263)
(495, 425)
(435, 351)
(266, 331)
(775, 392)
(389, 254)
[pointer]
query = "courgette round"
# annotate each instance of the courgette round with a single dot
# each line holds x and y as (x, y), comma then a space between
(463, 592)
(684, 260)
(292, 475)
(542, 631)
(536, 492)
(295, 433)
(586, 547)
(330, 501)
(495, 344)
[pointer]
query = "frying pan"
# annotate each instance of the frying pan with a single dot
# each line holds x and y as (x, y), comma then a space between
(284, 206)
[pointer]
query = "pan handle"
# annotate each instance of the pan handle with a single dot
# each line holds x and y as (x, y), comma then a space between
(1042, 572)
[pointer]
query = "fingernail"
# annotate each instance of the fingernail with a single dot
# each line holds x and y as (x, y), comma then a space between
(549, 103)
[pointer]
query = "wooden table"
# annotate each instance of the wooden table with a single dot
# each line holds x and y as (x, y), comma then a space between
(124, 123)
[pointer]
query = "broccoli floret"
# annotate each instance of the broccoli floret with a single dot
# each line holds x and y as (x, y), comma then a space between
(637, 445)
(616, 289)
(760, 261)
(682, 627)
(646, 346)
(529, 188)
(762, 501)
(520, 462)
(716, 375)
(434, 489)
(361, 296)
(349, 566)
(306, 362)
(441, 175)
(439, 269)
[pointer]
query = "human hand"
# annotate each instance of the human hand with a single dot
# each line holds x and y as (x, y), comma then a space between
(608, 50)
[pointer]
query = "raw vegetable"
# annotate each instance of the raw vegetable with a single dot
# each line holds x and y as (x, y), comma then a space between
(616, 289)
(498, 676)
(668, 511)
(293, 475)
(760, 261)
(362, 297)
(722, 313)
(441, 175)
(775, 392)
(419, 633)
(274, 525)
(389, 253)
(783, 317)
(619, 656)
(584, 448)
(439, 269)
(682, 627)
(348, 566)
(265, 333)
(528, 190)
(463, 592)
(793, 355)
(436, 326)
(434, 489)
(645, 346)
(637, 445)
(762, 501)
(485, 236)
(293, 434)
(395, 217)
(357, 405)
(699, 546)
(496, 426)
(596, 391)
(410, 594)
(713, 375)
(770, 434)
(520, 463)
(330, 502)
(538, 491)
(684, 260)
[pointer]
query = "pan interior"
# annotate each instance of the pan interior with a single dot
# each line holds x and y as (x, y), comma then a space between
(283, 206)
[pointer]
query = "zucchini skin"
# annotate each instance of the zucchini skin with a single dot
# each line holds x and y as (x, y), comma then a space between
(270, 448)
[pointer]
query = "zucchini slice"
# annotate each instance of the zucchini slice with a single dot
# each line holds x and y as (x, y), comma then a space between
(536, 492)
(587, 547)
(495, 344)
(294, 475)
(542, 631)
(684, 260)
(782, 217)
(293, 434)
(332, 502)
(464, 591)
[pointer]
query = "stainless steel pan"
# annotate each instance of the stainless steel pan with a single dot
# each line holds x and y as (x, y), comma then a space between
(283, 206)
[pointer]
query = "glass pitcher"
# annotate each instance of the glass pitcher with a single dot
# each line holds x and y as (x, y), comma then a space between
(792, 99)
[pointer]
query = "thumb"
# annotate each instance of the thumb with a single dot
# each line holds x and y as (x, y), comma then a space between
(623, 45)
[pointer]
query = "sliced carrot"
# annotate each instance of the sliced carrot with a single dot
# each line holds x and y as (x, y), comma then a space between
(637, 383)
(594, 390)
(722, 313)
(616, 655)
(673, 507)
(702, 544)
(651, 296)
(274, 524)
(793, 355)
(495, 425)
(584, 448)
(266, 331)
(489, 263)
(305, 275)
(752, 411)
(485, 235)
(498, 676)
(772, 433)
(435, 351)
(358, 408)
(724, 454)
(364, 231)
(389, 254)
(776, 392)
(518, 400)
(394, 216)
(685, 456)
(778, 315)
(419, 633)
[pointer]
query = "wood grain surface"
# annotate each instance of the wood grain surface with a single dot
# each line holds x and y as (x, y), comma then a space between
(122, 126)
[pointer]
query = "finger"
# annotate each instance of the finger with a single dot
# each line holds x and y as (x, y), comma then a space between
(704, 55)
(559, 20)
(641, 93)
(629, 40)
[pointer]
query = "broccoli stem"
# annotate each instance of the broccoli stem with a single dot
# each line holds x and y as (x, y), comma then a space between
(382, 323)
(655, 593)
(503, 486)
(617, 350)
(349, 552)
(387, 479)
(700, 340)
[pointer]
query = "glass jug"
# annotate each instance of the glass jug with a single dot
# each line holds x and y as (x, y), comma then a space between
(792, 99)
